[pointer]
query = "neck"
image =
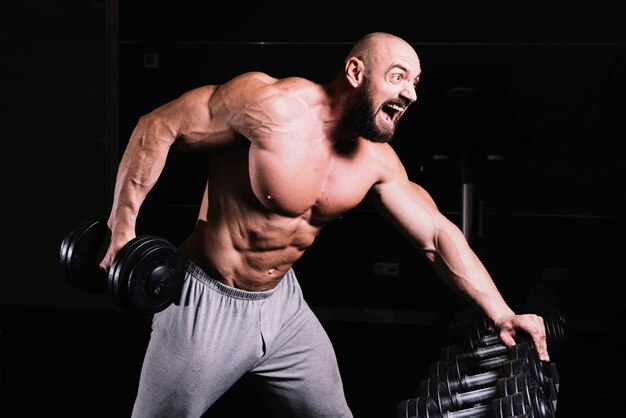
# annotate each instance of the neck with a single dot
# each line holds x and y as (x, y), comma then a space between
(338, 118)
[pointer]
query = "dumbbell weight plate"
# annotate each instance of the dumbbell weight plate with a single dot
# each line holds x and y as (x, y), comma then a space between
(418, 407)
(146, 275)
(80, 252)
(156, 277)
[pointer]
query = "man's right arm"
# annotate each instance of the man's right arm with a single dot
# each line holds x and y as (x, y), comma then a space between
(201, 119)
(187, 121)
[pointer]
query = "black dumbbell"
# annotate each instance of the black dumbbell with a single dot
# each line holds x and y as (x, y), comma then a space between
(478, 347)
(455, 371)
(547, 374)
(145, 276)
(450, 375)
(517, 405)
(471, 355)
(505, 386)
(478, 331)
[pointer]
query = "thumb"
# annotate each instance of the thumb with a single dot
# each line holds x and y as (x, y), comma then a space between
(507, 337)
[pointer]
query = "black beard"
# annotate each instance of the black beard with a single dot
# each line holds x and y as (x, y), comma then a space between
(363, 115)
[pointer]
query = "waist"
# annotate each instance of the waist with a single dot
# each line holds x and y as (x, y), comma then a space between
(251, 270)
(234, 274)
(205, 277)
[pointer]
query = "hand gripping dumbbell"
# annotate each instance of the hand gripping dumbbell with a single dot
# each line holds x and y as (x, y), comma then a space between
(477, 331)
(522, 359)
(483, 343)
(472, 327)
(145, 276)
(516, 405)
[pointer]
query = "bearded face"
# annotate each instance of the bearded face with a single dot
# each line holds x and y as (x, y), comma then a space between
(364, 116)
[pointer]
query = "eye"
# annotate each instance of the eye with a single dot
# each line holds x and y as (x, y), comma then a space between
(395, 78)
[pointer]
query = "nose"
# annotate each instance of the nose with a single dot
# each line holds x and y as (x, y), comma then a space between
(410, 92)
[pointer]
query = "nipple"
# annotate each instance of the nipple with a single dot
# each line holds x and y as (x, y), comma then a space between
(269, 197)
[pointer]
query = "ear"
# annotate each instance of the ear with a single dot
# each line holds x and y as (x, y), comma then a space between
(354, 71)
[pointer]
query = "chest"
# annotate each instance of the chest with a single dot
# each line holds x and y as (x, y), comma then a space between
(307, 178)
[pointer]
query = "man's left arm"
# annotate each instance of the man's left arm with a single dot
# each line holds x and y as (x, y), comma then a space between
(414, 213)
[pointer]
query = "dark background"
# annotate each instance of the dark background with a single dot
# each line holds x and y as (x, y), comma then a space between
(543, 132)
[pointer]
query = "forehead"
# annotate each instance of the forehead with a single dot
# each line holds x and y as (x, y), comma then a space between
(395, 55)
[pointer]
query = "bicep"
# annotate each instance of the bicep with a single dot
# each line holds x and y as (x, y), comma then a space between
(207, 117)
(411, 209)
(200, 119)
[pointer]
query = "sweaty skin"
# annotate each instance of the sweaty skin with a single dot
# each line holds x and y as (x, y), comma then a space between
(286, 159)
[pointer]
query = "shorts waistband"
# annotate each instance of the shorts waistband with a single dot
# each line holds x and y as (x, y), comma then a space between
(199, 274)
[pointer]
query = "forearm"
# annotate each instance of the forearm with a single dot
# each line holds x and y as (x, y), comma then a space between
(138, 172)
(460, 268)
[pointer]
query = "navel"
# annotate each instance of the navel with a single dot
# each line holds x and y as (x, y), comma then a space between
(271, 271)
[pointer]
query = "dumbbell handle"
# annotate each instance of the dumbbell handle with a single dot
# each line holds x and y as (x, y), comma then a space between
(463, 399)
(492, 363)
(483, 358)
(516, 405)
(456, 350)
(448, 401)
(478, 340)
(455, 381)
(500, 355)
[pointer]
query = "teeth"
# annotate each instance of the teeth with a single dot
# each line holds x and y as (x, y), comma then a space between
(396, 107)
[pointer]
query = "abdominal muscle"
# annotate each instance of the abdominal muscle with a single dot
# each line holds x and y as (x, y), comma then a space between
(251, 251)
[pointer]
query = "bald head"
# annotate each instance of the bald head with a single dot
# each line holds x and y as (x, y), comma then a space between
(377, 46)
(379, 80)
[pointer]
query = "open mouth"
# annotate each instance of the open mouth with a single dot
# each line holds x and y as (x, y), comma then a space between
(392, 112)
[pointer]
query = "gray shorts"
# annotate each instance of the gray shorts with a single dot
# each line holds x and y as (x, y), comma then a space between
(200, 346)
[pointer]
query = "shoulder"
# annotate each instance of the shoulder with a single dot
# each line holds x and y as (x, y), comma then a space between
(260, 86)
(386, 160)
(285, 95)
(259, 92)
(252, 79)
(255, 104)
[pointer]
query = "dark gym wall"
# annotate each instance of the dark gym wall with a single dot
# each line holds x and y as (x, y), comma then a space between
(54, 135)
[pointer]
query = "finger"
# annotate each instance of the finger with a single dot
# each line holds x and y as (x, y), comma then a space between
(538, 334)
(506, 338)
(542, 349)
(106, 262)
